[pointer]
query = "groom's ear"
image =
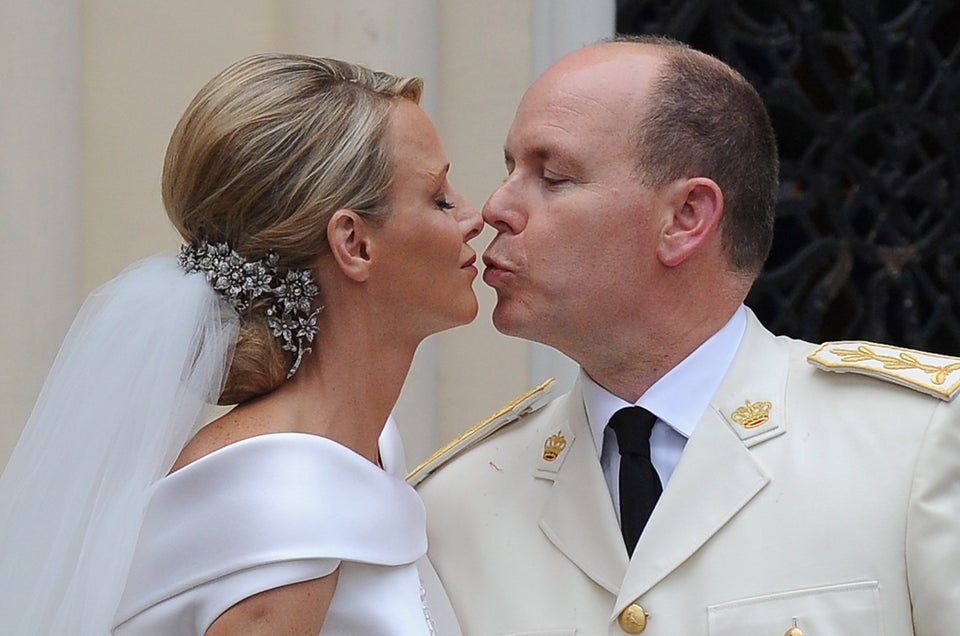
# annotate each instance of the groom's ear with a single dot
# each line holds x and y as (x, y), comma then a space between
(349, 237)
(693, 208)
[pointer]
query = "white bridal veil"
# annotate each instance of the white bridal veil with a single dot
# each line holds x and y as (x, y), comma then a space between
(143, 360)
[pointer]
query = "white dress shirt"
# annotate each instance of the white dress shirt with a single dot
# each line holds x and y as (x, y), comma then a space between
(678, 399)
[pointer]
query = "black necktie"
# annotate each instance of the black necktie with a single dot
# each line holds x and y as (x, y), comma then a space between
(639, 483)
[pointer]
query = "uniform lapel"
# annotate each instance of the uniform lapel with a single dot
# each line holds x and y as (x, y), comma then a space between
(578, 515)
(717, 475)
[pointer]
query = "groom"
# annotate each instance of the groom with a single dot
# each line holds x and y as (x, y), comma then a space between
(794, 489)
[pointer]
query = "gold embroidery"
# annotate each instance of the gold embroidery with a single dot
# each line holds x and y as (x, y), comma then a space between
(512, 411)
(893, 363)
(553, 446)
(752, 414)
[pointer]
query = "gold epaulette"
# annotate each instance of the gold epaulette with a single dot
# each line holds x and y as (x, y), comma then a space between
(931, 373)
(526, 403)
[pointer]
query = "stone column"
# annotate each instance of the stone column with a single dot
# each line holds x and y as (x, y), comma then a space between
(39, 197)
(485, 67)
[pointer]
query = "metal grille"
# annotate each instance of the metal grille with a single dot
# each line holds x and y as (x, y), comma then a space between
(864, 96)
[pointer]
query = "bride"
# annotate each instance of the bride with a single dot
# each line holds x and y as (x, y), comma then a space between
(322, 243)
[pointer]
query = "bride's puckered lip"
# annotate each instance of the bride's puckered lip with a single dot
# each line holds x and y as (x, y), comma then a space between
(470, 261)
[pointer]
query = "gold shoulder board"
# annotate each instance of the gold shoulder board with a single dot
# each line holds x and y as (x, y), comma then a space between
(931, 373)
(526, 403)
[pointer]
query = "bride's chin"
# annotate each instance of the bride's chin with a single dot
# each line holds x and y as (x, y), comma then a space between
(471, 309)
(465, 313)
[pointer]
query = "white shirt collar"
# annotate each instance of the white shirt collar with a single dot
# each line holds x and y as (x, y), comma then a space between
(680, 398)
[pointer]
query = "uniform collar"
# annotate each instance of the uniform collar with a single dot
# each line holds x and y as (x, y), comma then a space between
(680, 398)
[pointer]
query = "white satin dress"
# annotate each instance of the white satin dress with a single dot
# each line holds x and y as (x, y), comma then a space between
(273, 510)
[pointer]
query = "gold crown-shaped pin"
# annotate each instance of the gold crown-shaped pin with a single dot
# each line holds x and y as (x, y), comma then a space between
(553, 446)
(752, 414)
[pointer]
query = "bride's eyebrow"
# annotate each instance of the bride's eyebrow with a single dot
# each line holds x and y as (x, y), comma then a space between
(439, 175)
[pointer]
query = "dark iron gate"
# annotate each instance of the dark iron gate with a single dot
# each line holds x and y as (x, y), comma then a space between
(865, 99)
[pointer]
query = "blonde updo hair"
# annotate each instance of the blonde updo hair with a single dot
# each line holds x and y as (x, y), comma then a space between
(263, 156)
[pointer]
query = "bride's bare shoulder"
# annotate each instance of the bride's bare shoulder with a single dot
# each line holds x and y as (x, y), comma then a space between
(241, 422)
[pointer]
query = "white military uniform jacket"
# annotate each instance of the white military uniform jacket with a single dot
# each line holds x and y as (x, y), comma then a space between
(806, 499)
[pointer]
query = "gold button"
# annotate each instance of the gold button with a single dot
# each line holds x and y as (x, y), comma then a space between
(793, 631)
(633, 619)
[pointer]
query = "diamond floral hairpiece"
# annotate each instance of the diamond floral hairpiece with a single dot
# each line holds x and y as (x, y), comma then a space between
(239, 281)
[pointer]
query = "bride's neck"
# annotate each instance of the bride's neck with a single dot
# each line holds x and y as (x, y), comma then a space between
(347, 387)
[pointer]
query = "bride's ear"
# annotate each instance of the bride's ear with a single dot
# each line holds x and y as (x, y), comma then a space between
(349, 236)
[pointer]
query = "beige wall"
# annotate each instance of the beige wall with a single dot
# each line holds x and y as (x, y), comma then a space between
(91, 89)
